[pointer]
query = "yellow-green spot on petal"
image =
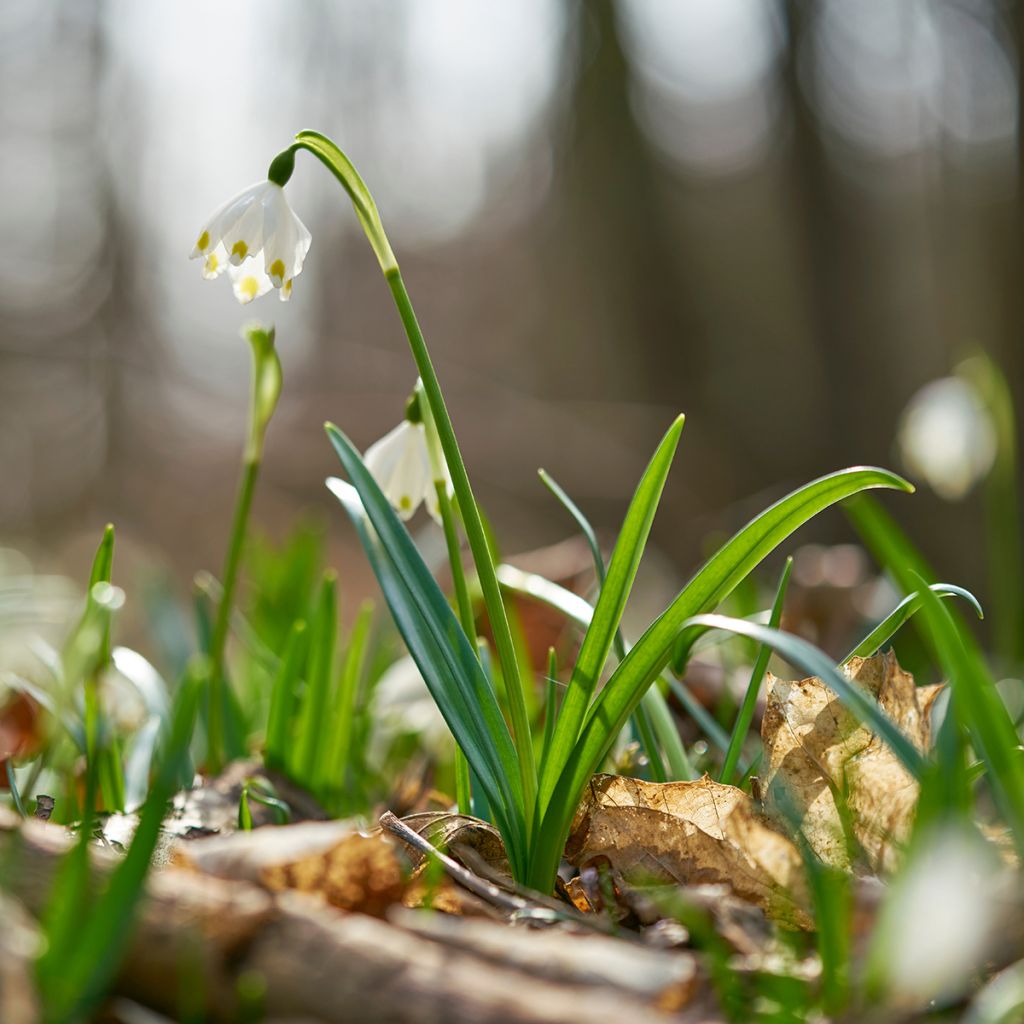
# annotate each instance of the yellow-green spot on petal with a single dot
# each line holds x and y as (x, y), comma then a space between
(276, 272)
(405, 503)
(248, 286)
(204, 241)
(240, 249)
(286, 289)
(210, 265)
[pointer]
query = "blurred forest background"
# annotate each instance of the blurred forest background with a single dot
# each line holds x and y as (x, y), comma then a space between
(782, 218)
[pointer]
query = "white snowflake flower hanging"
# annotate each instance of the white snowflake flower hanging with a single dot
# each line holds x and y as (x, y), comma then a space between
(258, 239)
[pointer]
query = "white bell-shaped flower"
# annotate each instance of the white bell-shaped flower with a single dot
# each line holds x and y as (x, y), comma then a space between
(258, 239)
(947, 437)
(400, 463)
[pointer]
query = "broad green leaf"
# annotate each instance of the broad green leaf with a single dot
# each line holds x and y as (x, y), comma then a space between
(600, 634)
(712, 583)
(436, 641)
(454, 677)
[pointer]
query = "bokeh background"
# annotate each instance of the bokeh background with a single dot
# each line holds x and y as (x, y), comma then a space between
(782, 218)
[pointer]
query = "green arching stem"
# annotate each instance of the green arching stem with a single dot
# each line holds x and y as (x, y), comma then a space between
(218, 641)
(266, 389)
(463, 795)
(418, 410)
(475, 534)
(366, 211)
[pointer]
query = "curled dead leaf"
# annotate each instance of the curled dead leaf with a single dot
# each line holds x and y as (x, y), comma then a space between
(833, 775)
(693, 833)
(448, 831)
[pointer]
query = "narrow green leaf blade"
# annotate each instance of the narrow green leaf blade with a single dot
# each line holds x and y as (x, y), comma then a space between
(600, 634)
(902, 612)
(437, 643)
(746, 712)
(282, 698)
(711, 584)
(976, 698)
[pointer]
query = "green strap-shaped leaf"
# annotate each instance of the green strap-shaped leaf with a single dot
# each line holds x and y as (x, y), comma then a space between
(611, 602)
(712, 583)
(454, 678)
(282, 698)
(902, 612)
(436, 641)
(974, 693)
(746, 712)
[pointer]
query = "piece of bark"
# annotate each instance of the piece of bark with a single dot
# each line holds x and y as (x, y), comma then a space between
(352, 968)
(19, 946)
(245, 856)
(660, 978)
(364, 873)
(315, 963)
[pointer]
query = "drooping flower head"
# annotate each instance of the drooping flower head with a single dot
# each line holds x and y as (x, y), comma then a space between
(258, 239)
(401, 464)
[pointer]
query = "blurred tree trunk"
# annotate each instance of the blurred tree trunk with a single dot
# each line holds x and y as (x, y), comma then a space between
(832, 282)
(626, 319)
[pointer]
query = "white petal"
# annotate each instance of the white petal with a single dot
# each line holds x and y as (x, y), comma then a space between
(287, 245)
(215, 263)
(398, 462)
(226, 217)
(250, 280)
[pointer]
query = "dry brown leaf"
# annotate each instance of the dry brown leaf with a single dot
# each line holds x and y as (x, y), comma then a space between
(449, 831)
(446, 896)
(363, 873)
(21, 731)
(692, 833)
(816, 751)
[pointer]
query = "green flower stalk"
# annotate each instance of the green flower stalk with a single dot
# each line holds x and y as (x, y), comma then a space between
(266, 389)
(532, 810)
(341, 167)
(409, 467)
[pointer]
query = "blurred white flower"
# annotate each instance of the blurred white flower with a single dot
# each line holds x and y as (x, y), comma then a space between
(258, 239)
(947, 437)
(939, 920)
(403, 706)
(400, 463)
